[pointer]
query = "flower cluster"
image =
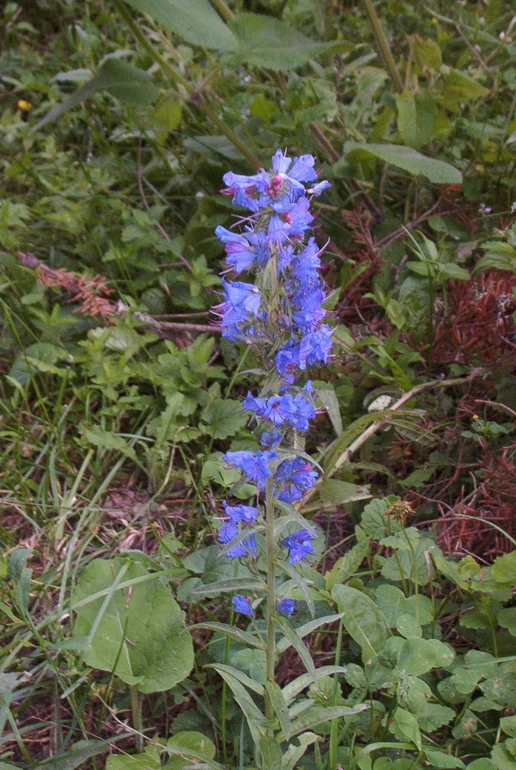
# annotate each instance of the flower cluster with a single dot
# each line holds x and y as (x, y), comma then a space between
(281, 316)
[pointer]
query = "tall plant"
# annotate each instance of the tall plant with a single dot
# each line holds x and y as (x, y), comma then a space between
(280, 316)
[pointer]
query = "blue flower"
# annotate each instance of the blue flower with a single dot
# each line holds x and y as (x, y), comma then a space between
(318, 188)
(315, 347)
(230, 530)
(271, 438)
(287, 606)
(255, 465)
(242, 605)
(294, 477)
(298, 545)
(248, 191)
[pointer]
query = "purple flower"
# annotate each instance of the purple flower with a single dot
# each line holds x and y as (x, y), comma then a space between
(238, 513)
(230, 530)
(311, 311)
(242, 297)
(315, 347)
(298, 545)
(248, 191)
(287, 606)
(255, 465)
(242, 605)
(318, 188)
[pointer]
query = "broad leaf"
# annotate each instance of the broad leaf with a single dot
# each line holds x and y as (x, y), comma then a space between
(223, 418)
(120, 79)
(417, 116)
(195, 21)
(406, 158)
(268, 42)
(363, 620)
(137, 632)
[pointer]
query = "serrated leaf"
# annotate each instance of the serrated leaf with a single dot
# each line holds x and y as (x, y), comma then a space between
(408, 726)
(106, 440)
(265, 41)
(195, 21)
(138, 633)
(223, 418)
(406, 158)
(362, 619)
(120, 79)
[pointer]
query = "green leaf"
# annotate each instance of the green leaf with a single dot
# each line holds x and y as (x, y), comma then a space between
(280, 707)
(149, 760)
(347, 565)
(305, 680)
(418, 656)
(190, 740)
(106, 440)
(138, 632)
(251, 684)
(37, 357)
(76, 757)
(119, 78)
(233, 632)
(255, 718)
(408, 726)
(265, 41)
(307, 628)
(223, 418)
(229, 585)
(363, 620)
(270, 751)
(459, 88)
(319, 715)
(295, 640)
(504, 568)
(406, 158)
(417, 116)
(195, 21)
(168, 112)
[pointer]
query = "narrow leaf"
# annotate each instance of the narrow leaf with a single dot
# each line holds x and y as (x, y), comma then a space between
(279, 705)
(233, 632)
(295, 640)
(229, 585)
(251, 684)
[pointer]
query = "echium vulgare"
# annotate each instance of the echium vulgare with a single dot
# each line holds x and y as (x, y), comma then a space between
(280, 315)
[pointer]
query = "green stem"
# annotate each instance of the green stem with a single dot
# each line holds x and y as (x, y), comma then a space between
(198, 99)
(271, 593)
(136, 708)
(224, 10)
(332, 750)
(383, 45)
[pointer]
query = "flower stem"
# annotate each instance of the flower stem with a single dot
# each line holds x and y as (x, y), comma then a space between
(136, 708)
(271, 593)
(383, 45)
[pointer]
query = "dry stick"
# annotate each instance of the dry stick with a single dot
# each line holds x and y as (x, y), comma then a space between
(376, 426)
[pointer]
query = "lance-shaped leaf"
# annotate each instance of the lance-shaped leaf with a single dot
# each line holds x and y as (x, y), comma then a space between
(362, 619)
(120, 79)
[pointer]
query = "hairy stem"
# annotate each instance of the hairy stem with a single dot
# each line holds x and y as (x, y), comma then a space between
(271, 593)
(136, 708)
(383, 45)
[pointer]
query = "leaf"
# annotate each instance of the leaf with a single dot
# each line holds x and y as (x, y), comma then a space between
(149, 760)
(106, 440)
(195, 21)
(223, 418)
(418, 656)
(305, 680)
(341, 492)
(271, 753)
(137, 632)
(306, 629)
(192, 740)
(408, 726)
(233, 632)
(459, 88)
(36, 357)
(347, 565)
(406, 158)
(168, 112)
(504, 568)
(271, 43)
(295, 640)
(363, 620)
(230, 585)
(417, 116)
(251, 684)
(255, 718)
(120, 79)
(77, 756)
(280, 707)
(318, 715)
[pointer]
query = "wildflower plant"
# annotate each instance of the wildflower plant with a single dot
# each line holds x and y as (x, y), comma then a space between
(278, 312)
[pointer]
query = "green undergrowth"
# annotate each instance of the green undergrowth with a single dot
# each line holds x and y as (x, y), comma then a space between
(118, 396)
